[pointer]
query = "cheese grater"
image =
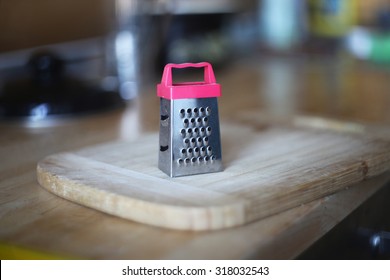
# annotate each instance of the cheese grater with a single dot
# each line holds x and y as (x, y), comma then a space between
(189, 125)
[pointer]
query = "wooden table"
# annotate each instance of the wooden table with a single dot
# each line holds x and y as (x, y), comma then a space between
(337, 88)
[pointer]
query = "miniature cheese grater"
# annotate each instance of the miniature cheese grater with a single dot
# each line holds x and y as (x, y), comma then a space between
(189, 124)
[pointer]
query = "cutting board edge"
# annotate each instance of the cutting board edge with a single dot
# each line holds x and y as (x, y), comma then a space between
(212, 217)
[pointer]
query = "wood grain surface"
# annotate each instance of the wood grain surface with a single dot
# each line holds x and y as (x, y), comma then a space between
(282, 90)
(269, 169)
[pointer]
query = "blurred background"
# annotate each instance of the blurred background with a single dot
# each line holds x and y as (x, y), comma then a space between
(323, 57)
(106, 50)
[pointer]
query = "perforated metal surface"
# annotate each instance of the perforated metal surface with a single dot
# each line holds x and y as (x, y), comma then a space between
(189, 136)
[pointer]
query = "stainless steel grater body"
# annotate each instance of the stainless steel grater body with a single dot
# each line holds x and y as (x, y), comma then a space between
(189, 126)
(189, 136)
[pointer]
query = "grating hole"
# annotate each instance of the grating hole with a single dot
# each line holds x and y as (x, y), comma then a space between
(164, 120)
(196, 131)
(187, 160)
(163, 148)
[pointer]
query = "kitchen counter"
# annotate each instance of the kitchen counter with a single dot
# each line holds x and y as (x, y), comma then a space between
(340, 90)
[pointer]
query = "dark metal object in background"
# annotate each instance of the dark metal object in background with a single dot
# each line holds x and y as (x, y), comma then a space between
(46, 92)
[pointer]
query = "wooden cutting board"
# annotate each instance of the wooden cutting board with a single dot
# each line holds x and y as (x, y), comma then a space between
(268, 169)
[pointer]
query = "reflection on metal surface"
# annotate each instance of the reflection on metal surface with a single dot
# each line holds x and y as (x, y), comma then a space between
(127, 63)
(39, 112)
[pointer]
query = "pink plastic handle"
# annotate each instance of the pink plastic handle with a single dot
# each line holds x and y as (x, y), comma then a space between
(209, 77)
